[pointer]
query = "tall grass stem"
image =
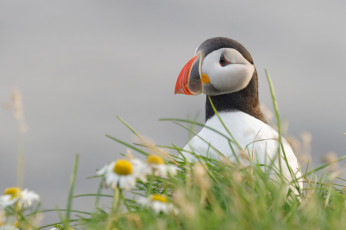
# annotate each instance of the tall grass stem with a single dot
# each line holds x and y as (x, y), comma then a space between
(71, 191)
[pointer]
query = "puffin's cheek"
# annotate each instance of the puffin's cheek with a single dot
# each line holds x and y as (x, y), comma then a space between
(233, 78)
(209, 73)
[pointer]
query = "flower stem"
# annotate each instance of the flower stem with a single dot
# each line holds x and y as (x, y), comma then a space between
(116, 202)
(115, 206)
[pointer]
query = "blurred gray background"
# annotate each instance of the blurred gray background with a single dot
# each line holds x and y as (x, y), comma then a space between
(78, 64)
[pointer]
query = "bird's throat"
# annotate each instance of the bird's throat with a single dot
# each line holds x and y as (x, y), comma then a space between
(245, 100)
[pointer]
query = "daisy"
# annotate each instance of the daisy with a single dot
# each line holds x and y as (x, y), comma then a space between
(158, 203)
(14, 195)
(159, 168)
(140, 169)
(122, 173)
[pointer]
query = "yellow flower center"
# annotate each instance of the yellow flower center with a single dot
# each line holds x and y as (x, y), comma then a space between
(157, 197)
(155, 160)
(13, 191)
(123, 167)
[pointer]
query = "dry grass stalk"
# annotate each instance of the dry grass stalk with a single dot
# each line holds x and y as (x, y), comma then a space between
(185, 206)
(149, 144)
(18, 112)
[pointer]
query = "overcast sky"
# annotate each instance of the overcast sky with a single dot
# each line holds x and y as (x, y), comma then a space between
(78, 64)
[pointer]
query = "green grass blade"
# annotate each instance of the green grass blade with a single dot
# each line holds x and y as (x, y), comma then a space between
(223, 124)
(321, 167)
(278, 122)
(195, 123)
(205, 141)
(230, 141)
(65, 210)
(129, 127)
(70, 195)
(277, 116)
(98, 194)
(92, 195)
(128, 145)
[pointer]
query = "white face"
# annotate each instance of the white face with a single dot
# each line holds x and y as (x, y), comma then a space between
(228, 71)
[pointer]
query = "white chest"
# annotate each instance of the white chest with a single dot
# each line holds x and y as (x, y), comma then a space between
(258, 140)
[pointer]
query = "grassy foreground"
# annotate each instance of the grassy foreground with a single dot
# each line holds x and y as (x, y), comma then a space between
(171, 193)
(221, 195)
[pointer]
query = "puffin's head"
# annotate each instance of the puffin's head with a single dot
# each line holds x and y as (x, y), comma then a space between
(220, 66)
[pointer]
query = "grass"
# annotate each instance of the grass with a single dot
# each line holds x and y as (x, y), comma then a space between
(209, 194)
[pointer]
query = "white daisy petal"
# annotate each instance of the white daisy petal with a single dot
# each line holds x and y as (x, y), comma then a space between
(172, 170)
(28, 197)
(102, 171)
(157, 206)
(7, 200)
(131, 183)
(122, 182)
(158, 203)
(160, 170)
(112, 180)
(140, 169)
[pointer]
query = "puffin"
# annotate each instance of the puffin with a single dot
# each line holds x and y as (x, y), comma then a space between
(224, 71)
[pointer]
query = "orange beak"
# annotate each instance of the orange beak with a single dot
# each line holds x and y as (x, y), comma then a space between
(188, 81)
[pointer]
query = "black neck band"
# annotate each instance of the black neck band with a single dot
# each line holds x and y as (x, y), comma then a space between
(245, 100)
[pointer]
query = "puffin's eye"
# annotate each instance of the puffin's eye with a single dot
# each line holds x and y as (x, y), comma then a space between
(223, 61)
